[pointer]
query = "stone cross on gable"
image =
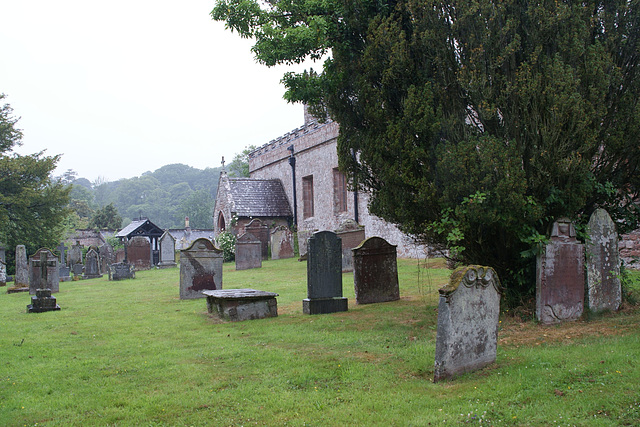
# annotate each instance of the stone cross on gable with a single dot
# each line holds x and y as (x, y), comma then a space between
(222, 162)
(43, 263)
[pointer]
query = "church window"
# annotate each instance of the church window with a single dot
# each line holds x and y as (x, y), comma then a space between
(307, 196)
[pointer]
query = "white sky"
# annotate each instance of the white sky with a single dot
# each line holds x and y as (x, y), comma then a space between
(127, 86)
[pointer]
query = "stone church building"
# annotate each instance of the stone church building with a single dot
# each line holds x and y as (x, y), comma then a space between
(302, 167)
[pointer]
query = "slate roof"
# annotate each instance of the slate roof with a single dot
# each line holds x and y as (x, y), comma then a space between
(140, 227)
(259, 198)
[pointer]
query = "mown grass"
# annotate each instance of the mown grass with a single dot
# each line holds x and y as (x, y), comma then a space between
(133, 353)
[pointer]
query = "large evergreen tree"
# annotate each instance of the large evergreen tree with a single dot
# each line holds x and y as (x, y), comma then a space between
(473, 124)
(32, 203)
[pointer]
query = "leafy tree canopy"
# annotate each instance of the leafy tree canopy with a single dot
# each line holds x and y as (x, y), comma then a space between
(473, 124)
(239, 167)
(107, 218)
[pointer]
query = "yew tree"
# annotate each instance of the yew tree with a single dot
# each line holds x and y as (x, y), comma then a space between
(472, 124)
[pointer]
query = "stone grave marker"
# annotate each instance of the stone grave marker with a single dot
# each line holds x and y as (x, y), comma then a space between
(248, 252)
(303, 239)
(21, 278)
(375, 271)
(139, 253)
(324, 275)
(468, 312)
(75, 258)
(64, 272)
(604, 291)
(261, 232)
(560, 276)
(121, 271)
(351, 235)
(107, 257)
(3, 254)
(42, 301)
(200, 269)
(282, 243)
(241, 304)
(3, 273)
(43, 272)
(167, 251)
(92, 264)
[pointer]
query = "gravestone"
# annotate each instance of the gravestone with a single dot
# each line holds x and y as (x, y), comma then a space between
(42, 301)
(375, 271)
(74, 255)
(261, 232)
(241, 304)
(468, 312)
(120, 255)
(139, 253)
(3, 255)
(77, 271)
(121, 271)
(324, 275)
(248, 252)
(351, 235)
(200, 269)
(107, 257)
(303, 239)
(92, 264)
(167, 251)
(282, 243)
(43, 271)
(64, 272)
(3, 273)
(21, 278)
(604, 290)
(560, 276)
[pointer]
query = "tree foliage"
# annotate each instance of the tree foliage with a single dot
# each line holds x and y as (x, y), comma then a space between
(473, 124)
(239, 166)
(107, 218)
(32, 203)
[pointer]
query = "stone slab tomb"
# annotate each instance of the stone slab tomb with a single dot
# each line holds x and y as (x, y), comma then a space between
(282, 243)
(248, 252)
(92, 264)
(200, 269)
(324, 275)
(43, 271)
(560, 276)
(121, 271)
(375, 271)
(468, 312)
(604, 291)
(167, 251)
(351, 235)
(261, 232)
(241, 304)
(42, 301)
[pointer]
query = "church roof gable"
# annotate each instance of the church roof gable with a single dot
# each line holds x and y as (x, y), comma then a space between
(259, 198)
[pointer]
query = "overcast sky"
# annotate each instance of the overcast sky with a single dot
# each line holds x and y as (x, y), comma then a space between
(122, 87)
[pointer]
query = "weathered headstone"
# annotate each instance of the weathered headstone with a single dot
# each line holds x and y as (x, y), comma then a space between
(241, 304)
(200, 269)
(3, 273)
(139, 253)
(64, 272)
(75, 254)
(92, 264)
(324, 275)
(21, 278)
(303, 239)
(261, 232)
(3, 255)
(167, 251)
(42, 301)
(375, 271)
(248, 252)
(43, 271)
(121, 271)
(604, 290)
(281, 243)
(468, 312)
(107, 257)
(560, 276)
(351, 235)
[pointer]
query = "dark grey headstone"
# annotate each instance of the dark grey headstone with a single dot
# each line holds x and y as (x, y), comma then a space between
(375, 271)
(604, 291)
(121, 271)
(200, 269)
(77, 270)
(468, 312)
(43, 271)
(92, 264)
(248, 252)
(324, 275)
(21, 279)
(560, 276)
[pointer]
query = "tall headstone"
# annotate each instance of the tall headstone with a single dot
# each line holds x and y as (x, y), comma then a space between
(63, 270)
(92, 264)
(375, 271)
(200, 269)
(560, 276)
(139, 253)
(468, 312)
(324, 275)
(107, 257)
(75, 254)
(3, 273)
(351, 235)
(167, 251)
(604, 291)
(43, 272)
(248, 252)
(261, 232)
(21, 278)
(281, 243)
(3, 255)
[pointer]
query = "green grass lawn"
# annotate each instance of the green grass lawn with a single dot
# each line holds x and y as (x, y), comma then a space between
(132, 353)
